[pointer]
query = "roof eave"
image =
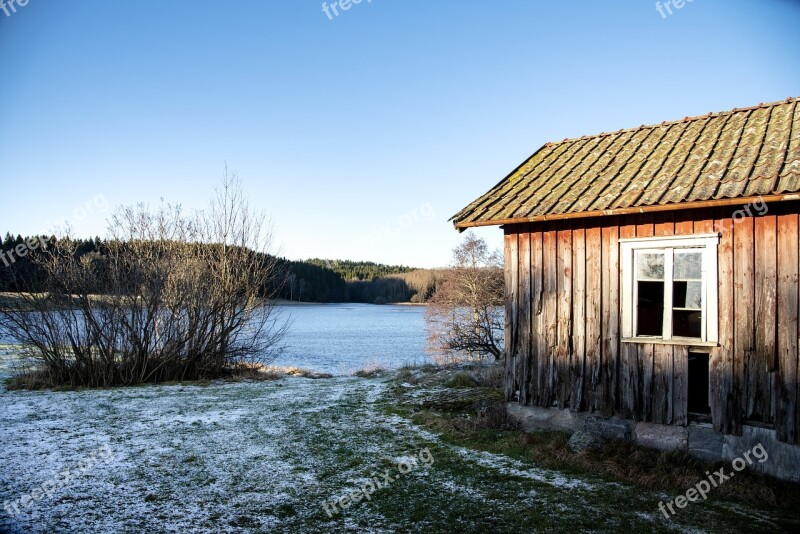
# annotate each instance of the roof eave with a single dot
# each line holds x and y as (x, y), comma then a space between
(739, 201)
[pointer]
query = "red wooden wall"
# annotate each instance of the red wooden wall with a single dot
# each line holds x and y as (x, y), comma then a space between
(563, 320)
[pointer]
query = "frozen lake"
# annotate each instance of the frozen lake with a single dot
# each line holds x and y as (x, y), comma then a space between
(343, 338)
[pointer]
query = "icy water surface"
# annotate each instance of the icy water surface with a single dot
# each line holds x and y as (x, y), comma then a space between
(343, 338)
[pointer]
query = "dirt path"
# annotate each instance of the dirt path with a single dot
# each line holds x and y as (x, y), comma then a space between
(275, 456)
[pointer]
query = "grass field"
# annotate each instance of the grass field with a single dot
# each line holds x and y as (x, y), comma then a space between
(267, 456)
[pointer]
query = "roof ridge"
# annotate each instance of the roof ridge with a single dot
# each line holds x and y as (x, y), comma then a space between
(673, 122)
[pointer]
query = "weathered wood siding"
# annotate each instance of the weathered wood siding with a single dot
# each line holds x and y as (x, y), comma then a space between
(563, 320)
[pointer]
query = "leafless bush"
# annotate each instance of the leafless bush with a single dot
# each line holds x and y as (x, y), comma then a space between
(422, 283)
(465, 316)
(490, 376)
(183, 297)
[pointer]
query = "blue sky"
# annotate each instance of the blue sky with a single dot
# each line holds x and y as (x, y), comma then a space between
(361, 134)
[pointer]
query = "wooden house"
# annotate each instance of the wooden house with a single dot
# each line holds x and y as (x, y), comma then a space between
(652, 280)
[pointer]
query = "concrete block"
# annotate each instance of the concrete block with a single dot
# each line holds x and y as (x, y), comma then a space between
(609, 427)
(782, 460)
(661, 437)
(705, 443)
(531, 418)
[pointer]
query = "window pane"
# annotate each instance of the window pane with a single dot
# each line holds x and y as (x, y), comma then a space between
(650, 308)
(686, 323)
(688, 266)
(687, 295)
(650, 266)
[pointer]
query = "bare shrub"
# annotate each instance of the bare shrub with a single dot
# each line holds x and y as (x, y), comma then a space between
(490, 376)
(183, 297)
(31, 380)
(466, 316)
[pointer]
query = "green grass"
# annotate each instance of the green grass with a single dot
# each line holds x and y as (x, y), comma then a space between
(266, 456)
(462, 380)
(646, 474)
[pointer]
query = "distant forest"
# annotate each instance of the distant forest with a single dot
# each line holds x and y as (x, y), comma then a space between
(314, 280)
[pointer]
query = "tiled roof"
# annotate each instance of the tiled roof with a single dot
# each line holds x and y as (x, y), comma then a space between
(716, 157)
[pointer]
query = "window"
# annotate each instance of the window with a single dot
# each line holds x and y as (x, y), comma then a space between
(669, 288)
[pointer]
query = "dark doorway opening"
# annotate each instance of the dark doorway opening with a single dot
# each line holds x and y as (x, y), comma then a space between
(698, 383)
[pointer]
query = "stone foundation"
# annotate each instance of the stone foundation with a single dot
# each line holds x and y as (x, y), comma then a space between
(698, 439)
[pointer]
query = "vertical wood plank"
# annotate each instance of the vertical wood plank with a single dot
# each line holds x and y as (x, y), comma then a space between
(662, 384)
(745, 364)
(759, 402)
(538, 345)
(646, 364)
(508, 357)
(664, 223)
(724, 403)
(645, 226)
(550, 311)
(510, 271)
(524, 317)
(680, 385)
(610, 310)
(629, 358)
(703, 222)
(578, 317)
(564, 332)
(787, 417)
(592, 369)
(684, 223)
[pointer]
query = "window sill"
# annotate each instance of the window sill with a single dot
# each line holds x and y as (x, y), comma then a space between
(684, 341)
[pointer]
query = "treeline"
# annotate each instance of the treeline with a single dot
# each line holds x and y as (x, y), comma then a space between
(319, 280)
(307, 282)
(314, 280)
(17, 272)
(359, 270)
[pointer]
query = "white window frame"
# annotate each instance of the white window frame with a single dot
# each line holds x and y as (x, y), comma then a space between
(707, 244)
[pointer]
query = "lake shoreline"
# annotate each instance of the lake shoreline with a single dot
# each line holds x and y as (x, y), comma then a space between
(281, 302)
